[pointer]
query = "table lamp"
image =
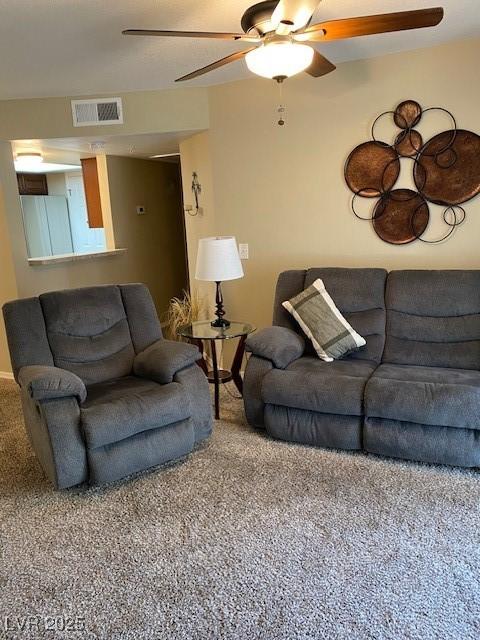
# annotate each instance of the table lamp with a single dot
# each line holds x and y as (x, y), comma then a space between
(218, 260)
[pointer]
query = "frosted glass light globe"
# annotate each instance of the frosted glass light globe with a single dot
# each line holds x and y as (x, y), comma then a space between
(279, 59)
(29, 159)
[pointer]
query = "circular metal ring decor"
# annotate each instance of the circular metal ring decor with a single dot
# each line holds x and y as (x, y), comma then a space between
(372, 168)
(400, 216)
(446, 172)
(408, 143)
(407, 114)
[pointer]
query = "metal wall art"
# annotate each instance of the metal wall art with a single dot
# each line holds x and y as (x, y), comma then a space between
(196, 190)
(445, 171)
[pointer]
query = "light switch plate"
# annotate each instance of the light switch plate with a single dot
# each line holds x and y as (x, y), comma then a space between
(243, 251)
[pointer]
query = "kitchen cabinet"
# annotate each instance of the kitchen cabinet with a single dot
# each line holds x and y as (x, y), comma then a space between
(92, 193)
(32, 184)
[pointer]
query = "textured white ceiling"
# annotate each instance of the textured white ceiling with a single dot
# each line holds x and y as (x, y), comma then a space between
(75, 47)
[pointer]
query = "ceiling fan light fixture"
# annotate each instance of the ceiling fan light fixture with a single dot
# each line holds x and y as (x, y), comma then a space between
(279, 59)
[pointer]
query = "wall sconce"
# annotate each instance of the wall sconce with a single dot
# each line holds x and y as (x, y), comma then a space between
(196, 190)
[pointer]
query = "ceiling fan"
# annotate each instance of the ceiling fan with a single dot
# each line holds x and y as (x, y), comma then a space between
(279, 30)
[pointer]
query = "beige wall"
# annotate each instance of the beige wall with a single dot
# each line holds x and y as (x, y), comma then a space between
(8, 284)
(196, 155)
(155, 241)
(183, 109)
(282, 189)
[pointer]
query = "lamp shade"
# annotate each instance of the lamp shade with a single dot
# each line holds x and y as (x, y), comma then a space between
(218, 259)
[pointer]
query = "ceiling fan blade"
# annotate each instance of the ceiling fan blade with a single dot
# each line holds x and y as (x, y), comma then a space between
(320, 66)
(191, 34)
(291, 15)
(368, 25)
(238, 55)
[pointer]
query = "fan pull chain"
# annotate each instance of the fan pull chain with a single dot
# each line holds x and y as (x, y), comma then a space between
(281, 109)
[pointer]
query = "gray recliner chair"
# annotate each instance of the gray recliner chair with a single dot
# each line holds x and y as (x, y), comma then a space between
(103, 394)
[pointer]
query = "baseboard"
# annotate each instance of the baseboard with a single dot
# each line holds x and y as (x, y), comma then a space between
(6, 375)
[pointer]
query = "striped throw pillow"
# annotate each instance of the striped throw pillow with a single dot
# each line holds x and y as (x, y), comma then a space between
(331, 335)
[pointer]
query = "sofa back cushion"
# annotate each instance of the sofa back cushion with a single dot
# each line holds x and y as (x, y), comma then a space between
(88, 332)
(26, 334)
(433, 318)
(359, 294)
(141, 315)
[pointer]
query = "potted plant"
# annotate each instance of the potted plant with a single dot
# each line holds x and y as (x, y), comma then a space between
(189, 308)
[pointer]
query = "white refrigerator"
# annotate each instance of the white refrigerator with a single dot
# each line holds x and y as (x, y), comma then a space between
(47, 225)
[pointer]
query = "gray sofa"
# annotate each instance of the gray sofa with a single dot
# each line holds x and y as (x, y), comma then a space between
(103, 394)
(412, 392)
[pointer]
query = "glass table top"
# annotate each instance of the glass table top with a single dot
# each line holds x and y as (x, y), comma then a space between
(203, 330)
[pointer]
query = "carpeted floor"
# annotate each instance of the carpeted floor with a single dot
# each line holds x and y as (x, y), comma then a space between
(247, 539)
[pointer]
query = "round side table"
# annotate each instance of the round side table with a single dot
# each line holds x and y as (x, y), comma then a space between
(198, 332)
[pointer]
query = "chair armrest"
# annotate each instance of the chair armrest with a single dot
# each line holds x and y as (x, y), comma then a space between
(278, 344)
(48, 383)
(163, 359)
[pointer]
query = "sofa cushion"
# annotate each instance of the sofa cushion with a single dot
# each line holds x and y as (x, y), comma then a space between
(330, 430)
(433, 318)
(122, 408)
(163, 359)
(26, 334)
(314, 385)
(425, 395)
(359, 295)
(142, 316)
(278, 344)
(141, 451)
(48, 383)
(88, 332)
(425, 443)
(321, 321)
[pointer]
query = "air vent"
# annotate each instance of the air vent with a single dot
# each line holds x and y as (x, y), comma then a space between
(88, 113)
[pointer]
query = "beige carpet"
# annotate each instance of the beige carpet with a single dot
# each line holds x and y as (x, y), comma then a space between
(247, 539)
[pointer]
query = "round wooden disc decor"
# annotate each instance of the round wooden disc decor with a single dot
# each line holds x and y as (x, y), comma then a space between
(400, 216)
(372, 168)
(407, 114)
(448, 167)
(408, 143)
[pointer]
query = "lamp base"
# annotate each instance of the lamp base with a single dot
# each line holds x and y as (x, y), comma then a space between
(220, 323)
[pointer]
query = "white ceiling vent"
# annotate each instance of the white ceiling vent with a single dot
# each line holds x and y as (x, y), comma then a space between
(88, 113)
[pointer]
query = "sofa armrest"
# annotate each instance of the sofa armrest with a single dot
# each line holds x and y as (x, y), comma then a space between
(163, 359)
(278, 344)
(48, 383)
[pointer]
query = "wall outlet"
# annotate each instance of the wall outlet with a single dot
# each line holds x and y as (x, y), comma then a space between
(243, 251)
(141, 210)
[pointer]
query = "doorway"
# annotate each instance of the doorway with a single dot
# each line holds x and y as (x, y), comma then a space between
(85, 239)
